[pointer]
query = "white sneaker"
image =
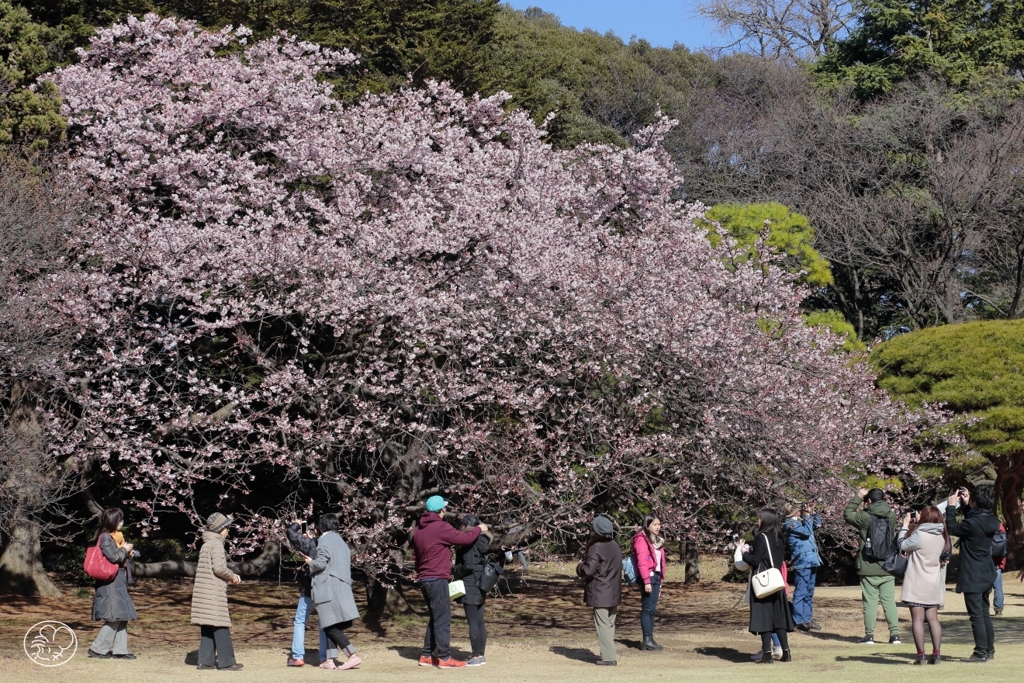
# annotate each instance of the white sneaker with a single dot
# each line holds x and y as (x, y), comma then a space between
(776, 652)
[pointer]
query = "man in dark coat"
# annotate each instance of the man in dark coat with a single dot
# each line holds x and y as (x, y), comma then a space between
(433, 541)
(876, 584)
(977, 573)
(601, 570)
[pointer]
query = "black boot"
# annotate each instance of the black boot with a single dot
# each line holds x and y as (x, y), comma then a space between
(786, 657)
(649, 644)
(766, 657)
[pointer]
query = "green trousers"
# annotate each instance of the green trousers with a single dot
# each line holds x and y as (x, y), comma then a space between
(875, 589)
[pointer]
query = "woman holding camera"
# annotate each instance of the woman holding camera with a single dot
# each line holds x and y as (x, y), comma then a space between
(923, 538)
(770, 614)
(112, 604)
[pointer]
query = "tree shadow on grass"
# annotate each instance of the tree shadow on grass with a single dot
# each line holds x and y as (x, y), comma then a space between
(578, 654)
(406, 652)
(895, 658)
(192, 658)
(631, 644)
(729, 654)
(822, 635)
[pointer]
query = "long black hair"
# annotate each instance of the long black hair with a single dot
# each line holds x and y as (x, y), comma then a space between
(769, 522)
(648, 520)
(109, 519)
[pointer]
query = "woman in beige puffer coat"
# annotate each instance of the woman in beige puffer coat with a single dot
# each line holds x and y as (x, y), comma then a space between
(923, 538)
(210, 597)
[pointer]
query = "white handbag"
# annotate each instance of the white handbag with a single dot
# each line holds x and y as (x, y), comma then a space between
(770, 580)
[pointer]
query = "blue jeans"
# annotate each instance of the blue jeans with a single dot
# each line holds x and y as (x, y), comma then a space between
(302, 612)
(997, 588)
(803, 594)
(649, 605)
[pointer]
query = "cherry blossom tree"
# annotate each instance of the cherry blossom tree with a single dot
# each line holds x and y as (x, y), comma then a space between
(415, 294)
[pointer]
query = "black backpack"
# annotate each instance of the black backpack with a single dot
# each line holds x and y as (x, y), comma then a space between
(880, 542)
(999, 545)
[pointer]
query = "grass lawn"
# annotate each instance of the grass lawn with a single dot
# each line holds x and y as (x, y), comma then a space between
(540, 632)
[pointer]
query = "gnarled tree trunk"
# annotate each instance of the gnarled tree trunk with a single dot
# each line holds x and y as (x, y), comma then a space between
(254, 567)
(21, 565)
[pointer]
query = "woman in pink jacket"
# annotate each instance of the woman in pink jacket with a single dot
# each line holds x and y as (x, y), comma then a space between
(649, 554)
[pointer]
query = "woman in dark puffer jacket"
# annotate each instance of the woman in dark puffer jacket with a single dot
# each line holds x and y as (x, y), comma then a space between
(469, 567)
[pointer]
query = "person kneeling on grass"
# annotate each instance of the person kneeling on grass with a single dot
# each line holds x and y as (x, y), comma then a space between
(332, 590)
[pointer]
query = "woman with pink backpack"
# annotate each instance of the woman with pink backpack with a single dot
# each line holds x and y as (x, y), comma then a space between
(649, 555)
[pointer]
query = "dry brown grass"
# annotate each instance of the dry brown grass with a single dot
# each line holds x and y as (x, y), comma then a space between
(541, 632)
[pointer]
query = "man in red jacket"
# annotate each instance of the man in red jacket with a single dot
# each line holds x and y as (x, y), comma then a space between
(433, 541)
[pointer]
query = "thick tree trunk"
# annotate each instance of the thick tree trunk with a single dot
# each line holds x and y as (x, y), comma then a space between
(1008, 489)
(21, 566)
(690, 556)
(254, 567)
(385, 600)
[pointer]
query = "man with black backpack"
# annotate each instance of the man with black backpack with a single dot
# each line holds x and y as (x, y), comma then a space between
(876, 524)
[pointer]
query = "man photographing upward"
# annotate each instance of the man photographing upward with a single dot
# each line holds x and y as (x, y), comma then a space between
(876, 584)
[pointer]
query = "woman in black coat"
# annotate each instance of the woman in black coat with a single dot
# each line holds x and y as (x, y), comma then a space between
(469, 567)
(112, 604)
(770, 614)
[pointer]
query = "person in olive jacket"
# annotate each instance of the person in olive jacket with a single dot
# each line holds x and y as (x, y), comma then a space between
(470, 561)
(112, 604)
(210, 597)
(876, 584)
(977, 573)
(601, 571)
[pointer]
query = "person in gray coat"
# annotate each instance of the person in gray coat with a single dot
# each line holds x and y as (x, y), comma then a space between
(112, 605)
(332, 590)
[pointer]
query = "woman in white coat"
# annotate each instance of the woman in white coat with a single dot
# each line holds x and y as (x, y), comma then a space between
(923, 538)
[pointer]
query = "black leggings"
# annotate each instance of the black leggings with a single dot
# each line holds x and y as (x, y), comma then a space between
(336, 633)
(766, 639)
(477, 629)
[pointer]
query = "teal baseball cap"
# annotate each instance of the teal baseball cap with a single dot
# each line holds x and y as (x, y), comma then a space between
(436, 503)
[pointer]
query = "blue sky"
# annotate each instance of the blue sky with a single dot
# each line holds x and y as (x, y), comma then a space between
(660, 22)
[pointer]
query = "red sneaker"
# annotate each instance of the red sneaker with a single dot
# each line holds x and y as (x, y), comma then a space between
(428, 661)
(295, 662)
(450, 663)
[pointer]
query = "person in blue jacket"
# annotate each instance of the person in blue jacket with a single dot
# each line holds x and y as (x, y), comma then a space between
(799, 531)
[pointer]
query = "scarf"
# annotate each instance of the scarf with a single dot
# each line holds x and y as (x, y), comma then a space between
(656, 541)
(118, 538)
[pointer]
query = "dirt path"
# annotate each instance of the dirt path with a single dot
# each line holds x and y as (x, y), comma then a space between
(540, 633)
